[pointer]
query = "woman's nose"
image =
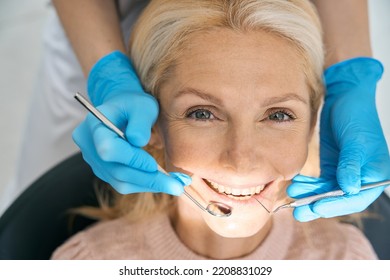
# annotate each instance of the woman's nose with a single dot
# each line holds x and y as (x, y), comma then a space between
(242, 151)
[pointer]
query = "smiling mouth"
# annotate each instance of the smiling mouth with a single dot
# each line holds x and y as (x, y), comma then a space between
(235, 193)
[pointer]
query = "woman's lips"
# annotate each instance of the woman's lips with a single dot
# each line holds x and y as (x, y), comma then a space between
(237, 196)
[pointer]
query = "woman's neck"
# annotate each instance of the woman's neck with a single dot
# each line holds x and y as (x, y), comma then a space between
(198, 237)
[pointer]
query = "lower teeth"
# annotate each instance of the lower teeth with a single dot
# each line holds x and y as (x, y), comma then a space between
(239, 196)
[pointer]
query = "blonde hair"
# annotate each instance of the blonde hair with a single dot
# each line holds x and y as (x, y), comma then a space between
(165, 26)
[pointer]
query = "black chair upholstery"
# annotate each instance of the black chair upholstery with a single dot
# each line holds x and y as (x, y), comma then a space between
(38, 221)
(377, 228)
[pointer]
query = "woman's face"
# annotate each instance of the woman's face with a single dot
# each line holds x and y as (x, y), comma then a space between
(235, 114)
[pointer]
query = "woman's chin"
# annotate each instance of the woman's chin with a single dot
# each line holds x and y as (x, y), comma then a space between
(236, 227)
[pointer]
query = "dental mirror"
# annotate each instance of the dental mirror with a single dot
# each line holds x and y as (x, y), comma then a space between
(217, 209)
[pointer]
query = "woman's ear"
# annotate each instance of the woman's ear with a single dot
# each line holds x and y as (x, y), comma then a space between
(312, 165)
(313, 129)
(156, 146)
(156, 139)
(314, 124)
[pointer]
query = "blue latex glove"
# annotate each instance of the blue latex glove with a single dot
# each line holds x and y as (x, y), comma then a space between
(114, 88)
(353, 150)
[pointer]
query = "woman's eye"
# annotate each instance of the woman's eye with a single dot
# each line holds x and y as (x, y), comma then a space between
(201, 114)
(280, 116)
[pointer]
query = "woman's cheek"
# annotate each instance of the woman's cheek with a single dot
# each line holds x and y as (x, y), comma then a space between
(296, 158)
(288, 154)
(185, 150)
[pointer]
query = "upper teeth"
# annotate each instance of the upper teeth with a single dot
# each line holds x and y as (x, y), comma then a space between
(235, 191)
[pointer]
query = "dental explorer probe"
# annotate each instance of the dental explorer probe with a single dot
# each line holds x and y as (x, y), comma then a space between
(214, 208)
(314, 198)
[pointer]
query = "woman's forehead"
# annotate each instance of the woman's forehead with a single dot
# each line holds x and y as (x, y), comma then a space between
(223, 60)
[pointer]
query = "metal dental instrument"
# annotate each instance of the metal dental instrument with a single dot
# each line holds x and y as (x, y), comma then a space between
(314, 198)
(265, 208)
(214, 208)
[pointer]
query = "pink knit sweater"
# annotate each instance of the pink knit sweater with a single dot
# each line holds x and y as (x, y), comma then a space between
(156, 239)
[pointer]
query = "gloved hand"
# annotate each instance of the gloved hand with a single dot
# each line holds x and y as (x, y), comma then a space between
(115, 90)
(353, 150)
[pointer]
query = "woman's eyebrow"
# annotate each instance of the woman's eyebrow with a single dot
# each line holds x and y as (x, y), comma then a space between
(204, 95)
(269, 101)
(284, 98)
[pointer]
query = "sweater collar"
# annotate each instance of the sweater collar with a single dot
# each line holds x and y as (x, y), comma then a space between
(167, 244)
